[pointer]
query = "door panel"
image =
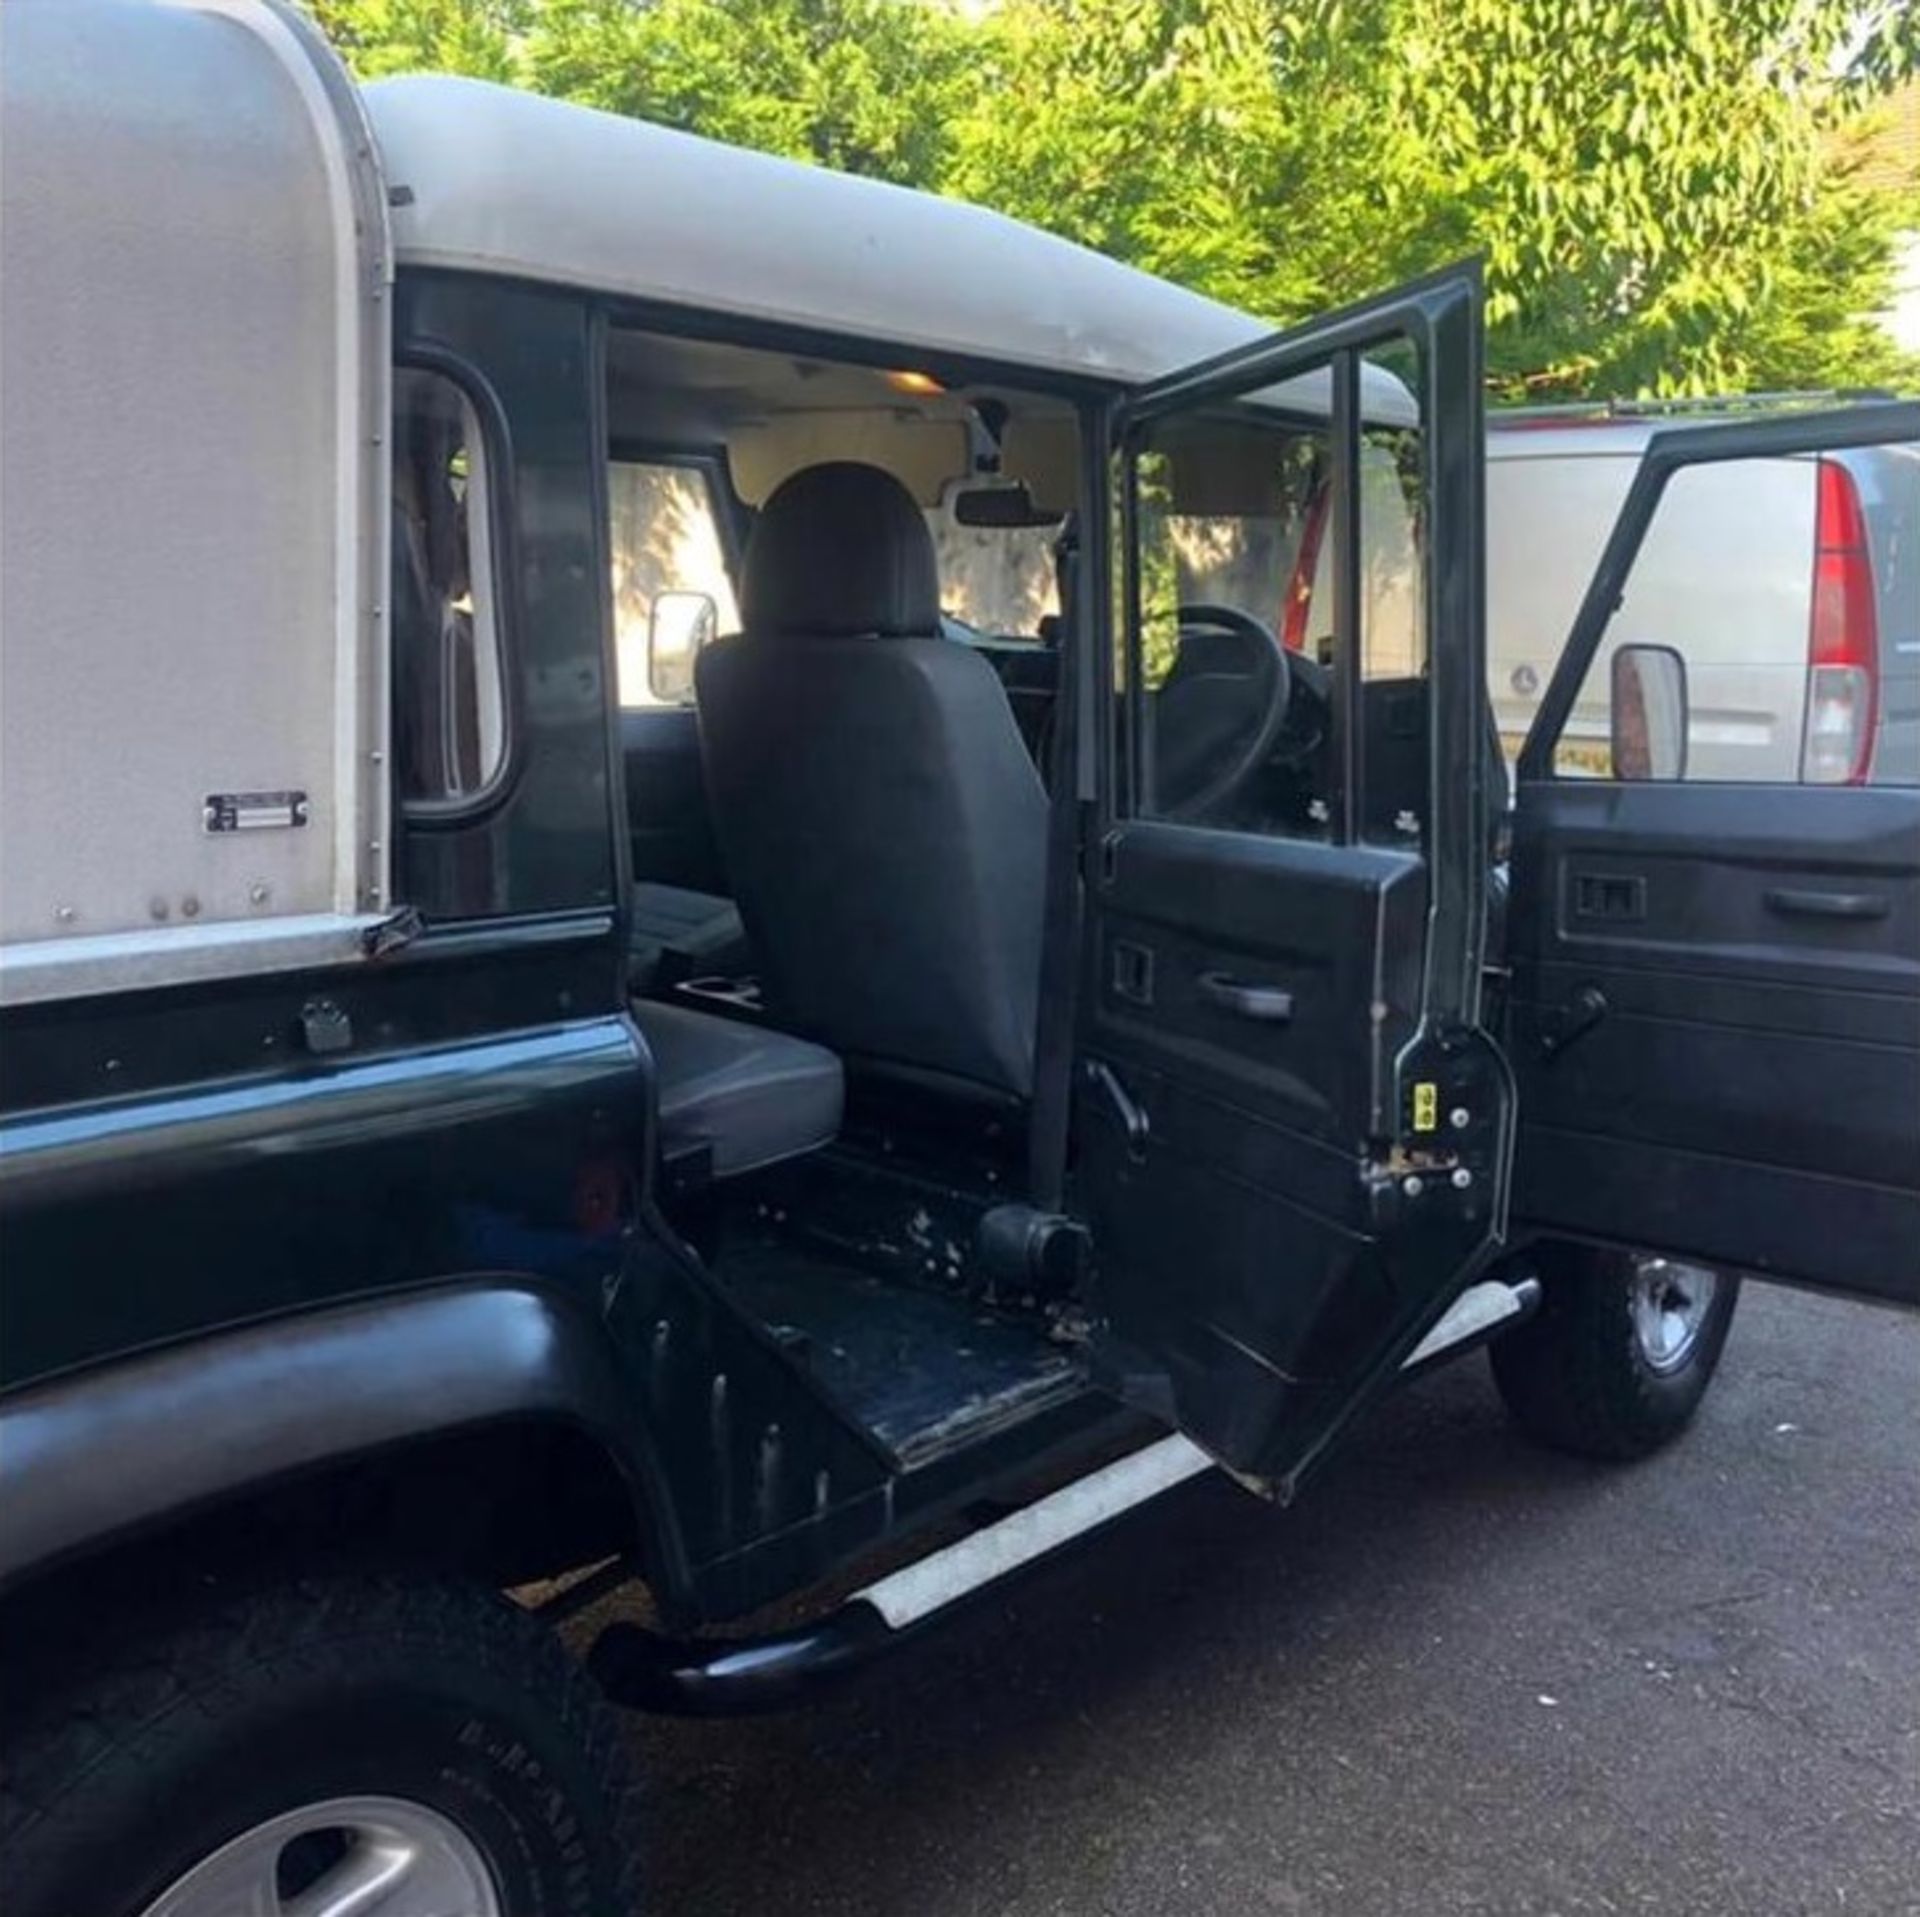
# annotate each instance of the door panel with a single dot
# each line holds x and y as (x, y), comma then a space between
(1229, 1004)
(669, 823)
(1748, 1088)
(1716, 987)
(1261, 1001)
(1279, 1021)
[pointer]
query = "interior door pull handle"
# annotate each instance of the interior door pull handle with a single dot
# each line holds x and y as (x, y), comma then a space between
(1267, 1003)
(1132, 1116)
(1828, 905)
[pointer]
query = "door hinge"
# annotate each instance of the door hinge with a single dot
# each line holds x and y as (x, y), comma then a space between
(325, 1026)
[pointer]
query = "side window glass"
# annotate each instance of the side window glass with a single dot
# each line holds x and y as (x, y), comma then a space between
(450, 704)
(1768, 632)
(671, 587)
(1238, 557)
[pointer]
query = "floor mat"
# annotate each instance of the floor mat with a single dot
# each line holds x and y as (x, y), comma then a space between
(922, 1370)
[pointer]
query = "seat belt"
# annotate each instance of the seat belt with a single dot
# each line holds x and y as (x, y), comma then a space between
(1056, 1026)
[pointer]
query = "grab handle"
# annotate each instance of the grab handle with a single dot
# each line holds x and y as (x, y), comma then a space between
(1267, 1003)
(1828, 905)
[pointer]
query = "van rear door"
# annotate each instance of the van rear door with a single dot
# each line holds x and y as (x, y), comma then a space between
(1716, 982)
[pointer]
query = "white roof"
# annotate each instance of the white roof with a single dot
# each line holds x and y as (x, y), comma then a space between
(512, 183)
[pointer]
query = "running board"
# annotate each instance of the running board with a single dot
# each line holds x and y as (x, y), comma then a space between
(721, 1677)
(1476, 1314)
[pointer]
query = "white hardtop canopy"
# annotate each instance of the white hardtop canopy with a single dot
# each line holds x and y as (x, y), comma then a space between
(486, 179)
(193, 551)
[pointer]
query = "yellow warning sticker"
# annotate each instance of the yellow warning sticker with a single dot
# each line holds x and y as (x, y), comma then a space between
(1426, 1105)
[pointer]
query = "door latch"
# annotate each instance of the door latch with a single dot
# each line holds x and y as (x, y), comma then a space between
(1131, 970)
(1609, 895)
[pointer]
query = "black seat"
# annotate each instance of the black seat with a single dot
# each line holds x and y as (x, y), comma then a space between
(744, 1095)
(882, 821)
(675, 933)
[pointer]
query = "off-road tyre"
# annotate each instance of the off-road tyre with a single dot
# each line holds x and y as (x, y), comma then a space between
(1578, 1377)
(176, 1740)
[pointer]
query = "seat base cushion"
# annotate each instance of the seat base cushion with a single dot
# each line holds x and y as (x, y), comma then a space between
(749, 1096)
(676, 933)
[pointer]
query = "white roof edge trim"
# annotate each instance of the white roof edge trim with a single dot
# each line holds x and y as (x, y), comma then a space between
(522, 186)
(337, 113)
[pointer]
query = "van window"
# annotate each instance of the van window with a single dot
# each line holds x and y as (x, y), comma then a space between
(450, 706)
(1234, 517)
(1774, 583)
(666, 537)
(1392, 627)
(1234, 558)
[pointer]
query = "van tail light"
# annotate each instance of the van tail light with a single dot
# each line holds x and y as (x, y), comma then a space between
(1843, 640)
(1306, 562)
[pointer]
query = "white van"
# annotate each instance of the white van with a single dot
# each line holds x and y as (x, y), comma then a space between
(1787, 582)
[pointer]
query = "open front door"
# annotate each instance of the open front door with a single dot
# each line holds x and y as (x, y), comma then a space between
(1293, 1134)
(1716, 909)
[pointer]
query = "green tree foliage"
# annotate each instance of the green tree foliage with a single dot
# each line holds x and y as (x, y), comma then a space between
(477, 37)
(869, 86)
(1662, 189)
(1650, 184)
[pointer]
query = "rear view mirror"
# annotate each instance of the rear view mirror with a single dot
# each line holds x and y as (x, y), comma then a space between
(1649, 713)
(679, 625)
(1005, 506)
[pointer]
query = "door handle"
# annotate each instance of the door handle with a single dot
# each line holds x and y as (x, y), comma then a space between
(1268, 1003)
(1828, 905)
(1132, 1116)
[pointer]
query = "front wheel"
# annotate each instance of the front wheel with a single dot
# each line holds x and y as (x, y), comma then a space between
(419, 1748)
(1616, 1360)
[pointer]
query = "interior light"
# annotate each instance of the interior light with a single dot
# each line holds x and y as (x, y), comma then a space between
(922, 385)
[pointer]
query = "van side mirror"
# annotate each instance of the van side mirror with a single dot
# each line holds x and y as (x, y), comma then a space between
(679, 625)
(1649, 713)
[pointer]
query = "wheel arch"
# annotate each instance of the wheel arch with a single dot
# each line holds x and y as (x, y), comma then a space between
(482, 1426)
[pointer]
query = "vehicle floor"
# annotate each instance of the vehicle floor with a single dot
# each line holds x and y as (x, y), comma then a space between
(923, 1370)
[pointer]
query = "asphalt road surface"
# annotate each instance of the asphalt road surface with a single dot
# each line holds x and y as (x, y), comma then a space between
(1460, 1675)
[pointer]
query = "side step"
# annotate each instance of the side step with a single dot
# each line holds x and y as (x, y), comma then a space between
(722, 1677)
(1477, 1313)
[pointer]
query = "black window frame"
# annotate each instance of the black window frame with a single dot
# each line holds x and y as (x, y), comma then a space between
(1343, 431)
(496, 442)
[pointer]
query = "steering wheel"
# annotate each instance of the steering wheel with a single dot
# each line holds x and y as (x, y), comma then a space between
(1221, 710)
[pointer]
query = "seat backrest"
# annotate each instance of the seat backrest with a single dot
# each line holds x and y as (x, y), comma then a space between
(882, 823)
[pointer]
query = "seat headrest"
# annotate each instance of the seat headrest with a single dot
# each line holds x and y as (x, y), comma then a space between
(838, 550)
